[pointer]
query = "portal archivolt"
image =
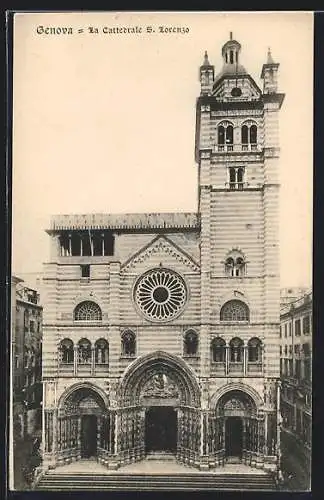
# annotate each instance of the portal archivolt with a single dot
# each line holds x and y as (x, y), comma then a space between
(167, 375)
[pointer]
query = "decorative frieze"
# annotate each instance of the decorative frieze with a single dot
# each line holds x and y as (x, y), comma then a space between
(164, 247)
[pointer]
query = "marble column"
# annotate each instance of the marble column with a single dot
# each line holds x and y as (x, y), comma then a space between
(245, 356)
(226, 360)
(75, 360)
(92, 360)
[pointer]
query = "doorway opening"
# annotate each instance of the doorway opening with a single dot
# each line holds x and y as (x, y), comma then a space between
(161, 429)
(233, 438)
(88, 436)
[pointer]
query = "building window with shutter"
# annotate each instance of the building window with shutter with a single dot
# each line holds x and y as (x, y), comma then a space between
(306, 325)
(297, 328)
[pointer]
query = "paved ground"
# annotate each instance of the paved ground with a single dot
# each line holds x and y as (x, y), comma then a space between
(295, 471)
(153, 467)
(23, 459)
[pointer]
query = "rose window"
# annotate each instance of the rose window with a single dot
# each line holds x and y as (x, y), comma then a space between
(160, 294)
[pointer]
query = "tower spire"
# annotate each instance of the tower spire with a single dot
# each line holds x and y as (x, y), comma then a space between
(206, 75)
(269, 75)
(206, 61)
(231, 35)
(269, 57)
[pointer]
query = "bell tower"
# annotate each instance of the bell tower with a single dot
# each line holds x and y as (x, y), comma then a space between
(237, 153)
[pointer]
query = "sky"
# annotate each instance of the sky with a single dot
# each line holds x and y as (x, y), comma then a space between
(106, 122)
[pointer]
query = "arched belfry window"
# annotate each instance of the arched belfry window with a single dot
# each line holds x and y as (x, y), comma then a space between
(221, 135)
(87, 311)
(234, 310)
(253, 134)
(66, 351)
(84, 351)
(254, 350)
(236, 350)
(218, 349)
(235, 265)
(128, 343)
(225, 134)
(101, 352)
(249, 135)
(190, 343)
(245, 134)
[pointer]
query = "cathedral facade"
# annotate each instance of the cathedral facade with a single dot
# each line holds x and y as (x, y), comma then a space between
(161, 331)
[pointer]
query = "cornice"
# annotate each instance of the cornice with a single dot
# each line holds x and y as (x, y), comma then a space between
(124, 222)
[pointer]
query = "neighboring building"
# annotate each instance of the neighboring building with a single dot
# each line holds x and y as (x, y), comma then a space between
(289, 295)
(26, 342)
(14, 423)
(161, 331)
(296, 377)
(33, 280)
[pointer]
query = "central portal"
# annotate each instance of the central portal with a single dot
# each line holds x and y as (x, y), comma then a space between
(88, 436)
(161, 429)
(234, 437)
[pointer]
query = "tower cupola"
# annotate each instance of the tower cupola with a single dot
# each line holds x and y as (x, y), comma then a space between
(231, 51)
(231, 60)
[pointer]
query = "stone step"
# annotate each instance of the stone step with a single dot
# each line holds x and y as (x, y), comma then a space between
(68, 482)
(161, 456)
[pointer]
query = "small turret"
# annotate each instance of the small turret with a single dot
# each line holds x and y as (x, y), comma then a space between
(206, 76)
(269, 75)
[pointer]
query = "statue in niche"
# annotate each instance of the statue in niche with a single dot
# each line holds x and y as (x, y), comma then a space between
(269, 394)
(204, 392)
(160, 386)
(113, 393)
(265, 399)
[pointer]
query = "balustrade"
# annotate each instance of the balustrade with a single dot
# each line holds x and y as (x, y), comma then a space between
(218, 368)
(236, 186)
(83, 367)
(254, 368)
(241, 366)
(235, 367)
(237, 148)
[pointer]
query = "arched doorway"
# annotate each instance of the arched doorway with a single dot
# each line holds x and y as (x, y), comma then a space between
(160, 394)
(238, 426)
(233, 438)
(161, 424)
(89, 429)
(84, 424)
